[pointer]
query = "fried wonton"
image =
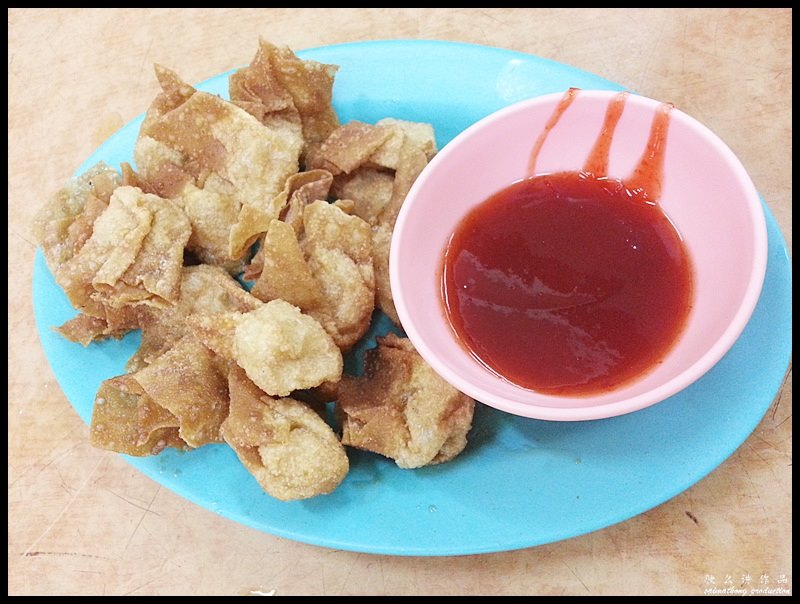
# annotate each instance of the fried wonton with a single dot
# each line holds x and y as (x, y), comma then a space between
(370, 189)
(401, 409)
(161, 247)
(217, 162)
(126, 420)
(287, 94)
(285, 273)
(349, 147)
(287, 447)
(375, 166)
(338, 247)
(110, 248)
(204, 290)
(182, 397)
(133, 256)
(279, 348)
(405, 135)
(190, 382)
(300, 190)
(63, 225)
(365, 160)
(327, 271)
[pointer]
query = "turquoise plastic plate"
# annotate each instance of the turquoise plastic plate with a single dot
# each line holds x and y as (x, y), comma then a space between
(520, 482)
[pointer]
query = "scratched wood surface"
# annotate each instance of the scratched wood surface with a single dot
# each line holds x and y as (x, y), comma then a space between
(81, 521)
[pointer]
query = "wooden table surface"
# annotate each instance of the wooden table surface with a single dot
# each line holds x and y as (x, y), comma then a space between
(82, 521)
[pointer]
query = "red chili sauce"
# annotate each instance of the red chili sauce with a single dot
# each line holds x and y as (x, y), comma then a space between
(567, 283)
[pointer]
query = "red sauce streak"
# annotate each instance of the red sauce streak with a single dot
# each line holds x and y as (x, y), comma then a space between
(648, 177)
(562, 106)
(572, 283)
(597, 162)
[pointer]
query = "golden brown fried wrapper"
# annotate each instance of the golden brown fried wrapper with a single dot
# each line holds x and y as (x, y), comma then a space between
(219, 163)
(369, 188)
(190, 383)
(287, 447)
(412, 159)
(407, 160)
(381, 246)
(283, 350)
(348, 147)
(285, 274)
(204, 290)
(418, 135)
(303, 189)
(133, 256)
(126, 420)
(287, 94)
(299, 191)
(384, 147)
(63, 225)
(85, 329)
(401, 409)
(279, 348)
(339, 252)
(327, 273)
(216, 332)
(375, 166)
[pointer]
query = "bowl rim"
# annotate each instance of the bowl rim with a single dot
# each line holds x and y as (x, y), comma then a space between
(585, 412)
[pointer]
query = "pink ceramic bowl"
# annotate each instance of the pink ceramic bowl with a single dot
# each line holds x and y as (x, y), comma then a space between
(706, 193)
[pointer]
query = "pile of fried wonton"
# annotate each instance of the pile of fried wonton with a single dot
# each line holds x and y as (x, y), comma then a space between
(163, 248)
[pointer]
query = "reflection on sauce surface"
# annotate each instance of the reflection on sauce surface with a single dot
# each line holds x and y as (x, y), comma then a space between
(571, 283)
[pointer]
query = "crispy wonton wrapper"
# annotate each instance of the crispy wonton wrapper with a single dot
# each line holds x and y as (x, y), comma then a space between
(279, 348)
(126, 420)
(133, 256)
(183, 393)
(285, 274)
(287, 94)
(64, 223)
(216, 362)
(62, 227)
(216, 161)
(401, 409)
(189, 381)
(375, 166)
(287, 447)
(299, 191)
(110, 248)
(114, 323)
(327, 272)
(85, 329)
(205, 290)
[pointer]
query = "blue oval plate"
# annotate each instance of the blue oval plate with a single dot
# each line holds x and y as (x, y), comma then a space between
(520, 482)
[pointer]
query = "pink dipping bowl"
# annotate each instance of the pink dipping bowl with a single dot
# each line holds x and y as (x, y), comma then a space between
(706, 193)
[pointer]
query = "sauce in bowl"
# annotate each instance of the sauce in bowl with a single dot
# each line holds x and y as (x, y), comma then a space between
(567, 283)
